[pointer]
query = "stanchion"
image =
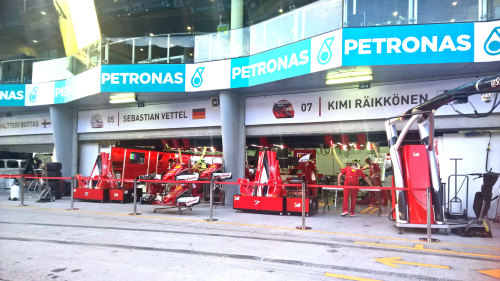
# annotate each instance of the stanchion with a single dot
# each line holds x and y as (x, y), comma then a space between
(72, 208)
(135, 199)
(22, 191)
(303, 227)
(429, 227)
(211, 219)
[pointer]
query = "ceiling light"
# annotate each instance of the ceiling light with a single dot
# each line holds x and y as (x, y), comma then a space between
(35, 41)
(352, 79)
(122, 98)
(280, 11)
(43, 13)
(395, 13)
(141, 49)
(454, 3)
(129, 100)
(338, 75)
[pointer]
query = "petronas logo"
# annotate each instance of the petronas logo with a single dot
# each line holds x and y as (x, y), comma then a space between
(33, 95)
(325, 52)
(197, 80)
(492, 44)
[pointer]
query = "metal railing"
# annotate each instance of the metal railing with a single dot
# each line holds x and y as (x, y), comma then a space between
(303, 187)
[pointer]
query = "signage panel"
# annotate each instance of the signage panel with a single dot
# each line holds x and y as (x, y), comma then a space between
(326, 51)
(208, 76)
(39, 94)
(151, 117)
(379, 102)
(79, 86)
(143, 78)
(281, 63)
(487, 41)
(409, 44)
(12, 95)
(30, 124)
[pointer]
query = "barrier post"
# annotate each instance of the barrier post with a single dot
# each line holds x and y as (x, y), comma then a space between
(303, 227)
(429, 218)
(429, 229)
(22, 191)
(72, 208)
(135, 199)
(212, 185)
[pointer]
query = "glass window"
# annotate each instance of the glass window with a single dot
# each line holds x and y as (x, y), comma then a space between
(258, 11)
(12, 164)
(120, 51)
(2, 164)
(374, 13)
(493, 9)
(430, 11)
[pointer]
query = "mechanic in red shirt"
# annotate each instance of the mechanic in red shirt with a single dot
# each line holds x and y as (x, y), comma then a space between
(352, 174)
(374, 169)
(311, 174)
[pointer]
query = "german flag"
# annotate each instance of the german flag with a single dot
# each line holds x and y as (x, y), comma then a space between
(198, 113)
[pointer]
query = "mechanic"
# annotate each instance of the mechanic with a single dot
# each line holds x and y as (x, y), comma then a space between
(352, 174)
(310, 173)
(374, 169)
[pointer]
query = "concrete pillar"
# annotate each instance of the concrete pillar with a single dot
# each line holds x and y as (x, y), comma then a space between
(232, 111)
(64, 124)
(236, 35)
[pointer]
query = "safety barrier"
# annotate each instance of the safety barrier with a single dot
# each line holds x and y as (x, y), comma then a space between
(212, 182)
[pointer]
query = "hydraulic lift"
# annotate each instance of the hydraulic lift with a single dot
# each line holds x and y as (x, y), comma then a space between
(415, 166)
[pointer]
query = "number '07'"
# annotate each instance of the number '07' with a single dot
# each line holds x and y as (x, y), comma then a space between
(306, 106)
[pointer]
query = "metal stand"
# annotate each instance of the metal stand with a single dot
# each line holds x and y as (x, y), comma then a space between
(22, 191)
(72, 208)
(135, 213)
(303, 227)
(429, 227)
(211, 219)
(452, 203)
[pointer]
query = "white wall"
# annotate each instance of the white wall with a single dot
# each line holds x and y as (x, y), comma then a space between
(473, 152)
(88, 154)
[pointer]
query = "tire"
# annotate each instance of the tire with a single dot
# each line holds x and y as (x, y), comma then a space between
(53, 166)
(52, 198)
(54, 174)
(57, 193)
(54, 184)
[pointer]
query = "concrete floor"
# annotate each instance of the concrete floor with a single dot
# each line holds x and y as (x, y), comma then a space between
(100, 241)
